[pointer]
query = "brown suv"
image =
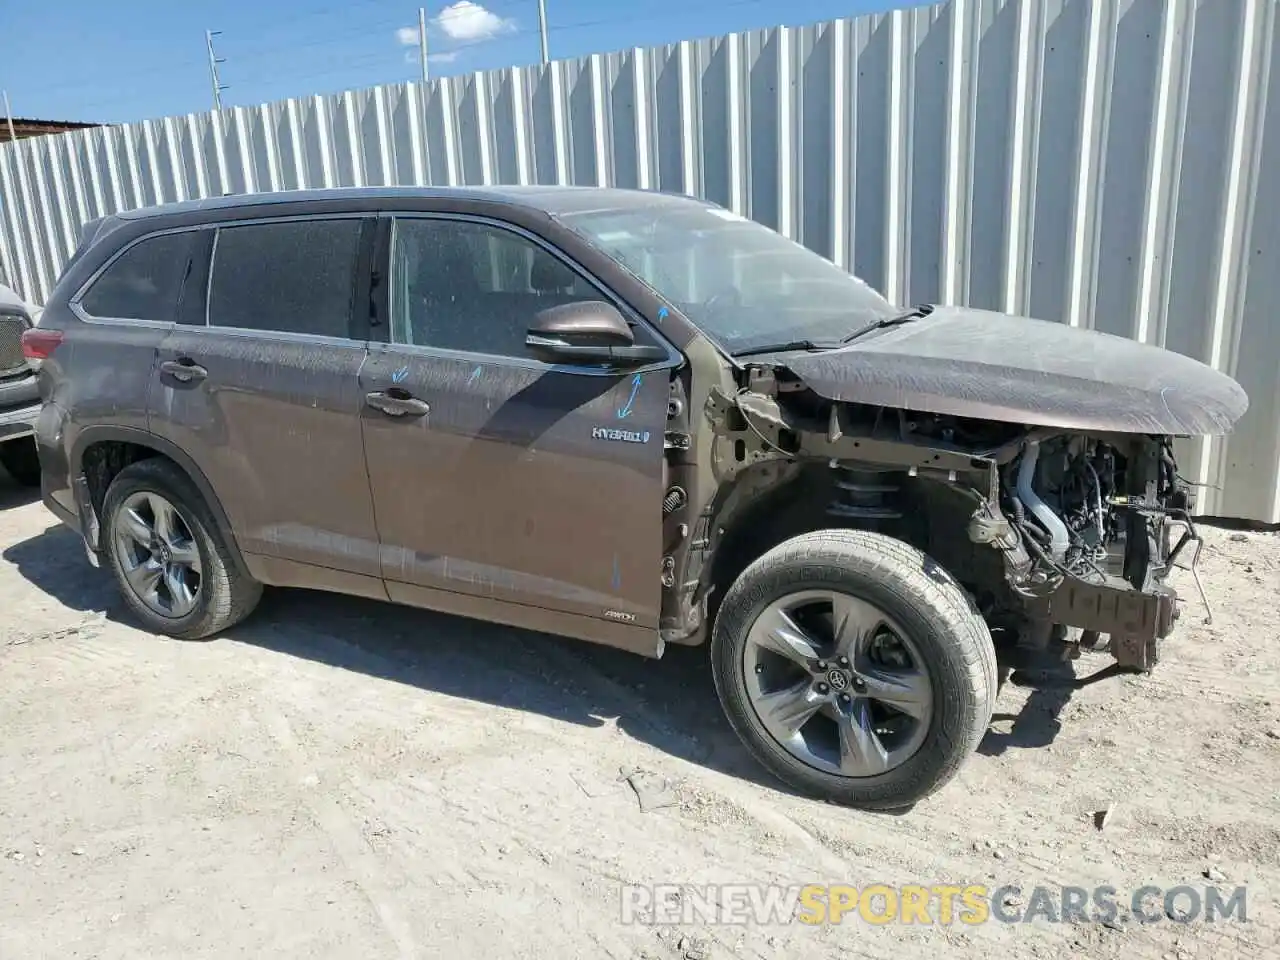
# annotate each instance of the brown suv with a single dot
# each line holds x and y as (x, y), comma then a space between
(630, 418)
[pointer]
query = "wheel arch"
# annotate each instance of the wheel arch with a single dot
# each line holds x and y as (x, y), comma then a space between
(930, 515)
(151, 445)
(765, 506)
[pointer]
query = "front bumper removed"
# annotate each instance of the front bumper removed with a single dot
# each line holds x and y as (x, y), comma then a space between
(1135, 620)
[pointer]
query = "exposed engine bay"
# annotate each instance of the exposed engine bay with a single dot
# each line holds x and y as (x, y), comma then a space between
(1065, 494)
(1099, 513)
(1064, 540)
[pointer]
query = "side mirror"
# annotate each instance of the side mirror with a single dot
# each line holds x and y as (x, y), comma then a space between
(589, 332)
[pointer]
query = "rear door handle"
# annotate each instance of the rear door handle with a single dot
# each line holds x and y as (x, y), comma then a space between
(397, 403)
(186, 370)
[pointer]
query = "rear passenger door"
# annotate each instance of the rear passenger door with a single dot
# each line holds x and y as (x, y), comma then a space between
(259, 383)
(130, 307)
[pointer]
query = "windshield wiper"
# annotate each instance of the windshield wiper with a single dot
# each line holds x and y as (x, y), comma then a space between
(915, 313)
(783, 347)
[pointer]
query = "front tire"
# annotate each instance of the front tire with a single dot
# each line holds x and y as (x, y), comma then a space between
(21, 460)
(170, 561)
(854, 668)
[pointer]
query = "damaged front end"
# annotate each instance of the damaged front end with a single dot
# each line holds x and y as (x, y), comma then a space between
(1098, 515)
(1063, 539)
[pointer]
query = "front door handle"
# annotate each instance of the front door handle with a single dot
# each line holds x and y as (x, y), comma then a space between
(185, 370)
(397, 403)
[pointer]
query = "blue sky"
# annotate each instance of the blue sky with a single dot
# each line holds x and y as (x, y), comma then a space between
(132, 59)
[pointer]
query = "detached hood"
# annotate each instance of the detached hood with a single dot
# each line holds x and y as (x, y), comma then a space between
(991, 366)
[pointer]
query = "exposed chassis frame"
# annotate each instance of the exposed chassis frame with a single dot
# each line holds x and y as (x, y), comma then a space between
(751, 429)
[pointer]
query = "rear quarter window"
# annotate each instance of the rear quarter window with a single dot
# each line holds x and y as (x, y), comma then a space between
(144, 282)
(289, 277)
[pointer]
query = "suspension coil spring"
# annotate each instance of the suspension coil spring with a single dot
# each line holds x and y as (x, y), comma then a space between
(674, 500)
(865, 495)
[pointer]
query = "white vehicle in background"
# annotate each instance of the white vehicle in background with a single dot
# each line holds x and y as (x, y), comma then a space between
(19, 395)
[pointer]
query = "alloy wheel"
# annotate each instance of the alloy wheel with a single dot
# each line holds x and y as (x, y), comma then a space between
(158, 554)
(837, 683)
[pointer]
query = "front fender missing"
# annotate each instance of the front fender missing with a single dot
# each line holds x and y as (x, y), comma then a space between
(771, 436)
(1136, 620)
(761, 445)
(768, 431)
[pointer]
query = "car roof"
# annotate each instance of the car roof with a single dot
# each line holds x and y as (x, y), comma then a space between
(550, 199)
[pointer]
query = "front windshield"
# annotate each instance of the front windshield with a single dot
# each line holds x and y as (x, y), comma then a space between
(745, 285)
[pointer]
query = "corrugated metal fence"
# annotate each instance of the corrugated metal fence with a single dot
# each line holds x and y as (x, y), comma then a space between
(1099, 163)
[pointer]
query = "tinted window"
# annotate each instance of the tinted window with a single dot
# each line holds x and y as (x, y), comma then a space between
(144, 282)
(293, 277)
(469, 286)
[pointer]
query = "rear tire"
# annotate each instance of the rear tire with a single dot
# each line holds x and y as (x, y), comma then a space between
(906, 706)
(22, 461)
(212, 593)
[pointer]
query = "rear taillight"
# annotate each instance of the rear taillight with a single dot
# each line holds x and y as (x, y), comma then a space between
(39, 344)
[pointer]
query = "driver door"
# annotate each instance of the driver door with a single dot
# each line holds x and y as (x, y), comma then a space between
(498, 477)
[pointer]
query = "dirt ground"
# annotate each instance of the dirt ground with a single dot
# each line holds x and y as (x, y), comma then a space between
(340, 778)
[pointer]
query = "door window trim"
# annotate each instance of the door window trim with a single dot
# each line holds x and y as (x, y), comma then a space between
(212, 227)
(358, 282)
(383, 330)
(77, 308)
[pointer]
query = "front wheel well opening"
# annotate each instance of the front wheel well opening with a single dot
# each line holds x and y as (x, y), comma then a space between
(760, 523)
(927, 515)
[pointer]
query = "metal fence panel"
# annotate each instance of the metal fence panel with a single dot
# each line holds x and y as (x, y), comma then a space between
(1095, 162)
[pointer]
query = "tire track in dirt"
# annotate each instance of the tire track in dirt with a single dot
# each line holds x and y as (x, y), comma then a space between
(423, 756)
(345, 838)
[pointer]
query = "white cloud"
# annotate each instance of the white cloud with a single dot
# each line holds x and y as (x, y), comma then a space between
(408, 36)
(448, 56)
(469, 22)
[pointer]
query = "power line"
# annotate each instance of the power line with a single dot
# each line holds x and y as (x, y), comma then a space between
(268, 50)
(273, 48)
(339, 65)
(316, 14)
(253, 54)
(167, 67)
(336, 66)
(148, 72)
(656, 15)
(347, 7)
(343, 65)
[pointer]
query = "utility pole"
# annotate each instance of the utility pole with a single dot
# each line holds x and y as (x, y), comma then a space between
(542, 29)
(422, 40)
(8, 116)
(213, 68)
